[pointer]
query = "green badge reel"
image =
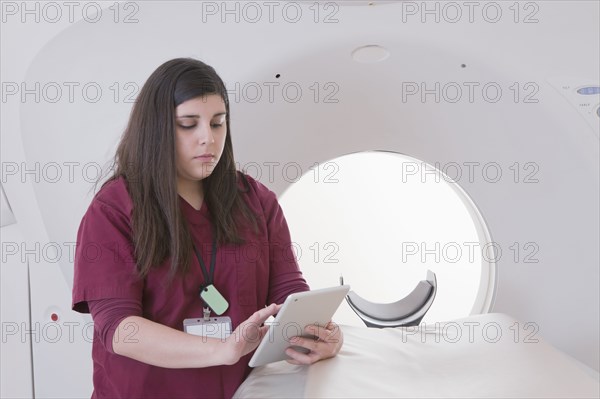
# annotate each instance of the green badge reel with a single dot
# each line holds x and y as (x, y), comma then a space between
(214, 300)
(210, 327)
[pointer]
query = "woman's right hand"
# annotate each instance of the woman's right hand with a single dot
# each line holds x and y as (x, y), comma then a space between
(249, 333)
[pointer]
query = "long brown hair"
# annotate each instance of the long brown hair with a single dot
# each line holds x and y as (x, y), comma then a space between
(145, 157)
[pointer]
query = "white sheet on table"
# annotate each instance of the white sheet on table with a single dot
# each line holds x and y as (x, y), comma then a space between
(408, 362)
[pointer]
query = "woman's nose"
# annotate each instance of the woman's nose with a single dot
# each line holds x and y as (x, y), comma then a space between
(206, 134)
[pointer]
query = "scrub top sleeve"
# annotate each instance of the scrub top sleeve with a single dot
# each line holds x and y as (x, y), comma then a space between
(108, 313)
(285, 276)
(104, 258)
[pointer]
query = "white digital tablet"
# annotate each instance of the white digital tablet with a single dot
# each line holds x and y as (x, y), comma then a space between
(298, 311)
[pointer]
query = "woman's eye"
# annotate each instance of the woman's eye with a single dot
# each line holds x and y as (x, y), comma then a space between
(188, 127)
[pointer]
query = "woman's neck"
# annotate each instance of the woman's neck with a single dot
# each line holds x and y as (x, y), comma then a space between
(192, 192)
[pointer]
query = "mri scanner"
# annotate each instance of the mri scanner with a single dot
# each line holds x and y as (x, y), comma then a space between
(503, 97)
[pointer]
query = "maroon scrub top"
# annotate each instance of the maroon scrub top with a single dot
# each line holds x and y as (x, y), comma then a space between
(250, 276)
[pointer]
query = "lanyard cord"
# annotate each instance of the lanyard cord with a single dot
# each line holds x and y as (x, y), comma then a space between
(208, 278)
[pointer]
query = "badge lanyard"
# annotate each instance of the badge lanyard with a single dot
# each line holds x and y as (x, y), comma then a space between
(208, 293)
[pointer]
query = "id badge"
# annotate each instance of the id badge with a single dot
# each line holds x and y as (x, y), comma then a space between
(214, 327)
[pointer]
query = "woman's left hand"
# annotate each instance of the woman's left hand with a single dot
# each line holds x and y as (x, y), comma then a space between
(327, 343)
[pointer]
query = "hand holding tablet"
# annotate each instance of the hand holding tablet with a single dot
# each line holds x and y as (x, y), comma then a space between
(325, 342)
(303, 323)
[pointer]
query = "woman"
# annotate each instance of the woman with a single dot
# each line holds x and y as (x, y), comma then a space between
(176, 220)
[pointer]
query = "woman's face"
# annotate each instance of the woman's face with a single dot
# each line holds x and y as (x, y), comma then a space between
(200, 129)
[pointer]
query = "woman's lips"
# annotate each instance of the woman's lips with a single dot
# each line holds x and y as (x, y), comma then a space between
(205, 157)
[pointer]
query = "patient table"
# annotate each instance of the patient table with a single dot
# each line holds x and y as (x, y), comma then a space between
(481, 356)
